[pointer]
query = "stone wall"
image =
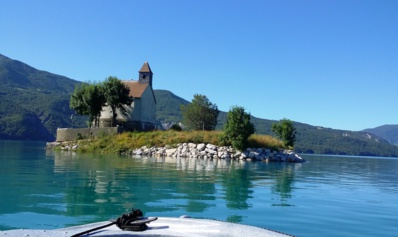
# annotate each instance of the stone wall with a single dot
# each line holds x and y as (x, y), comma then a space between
(72, 134)
(201, 151)
(209, 151)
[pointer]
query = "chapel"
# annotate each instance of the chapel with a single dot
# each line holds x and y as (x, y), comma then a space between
(141, 114)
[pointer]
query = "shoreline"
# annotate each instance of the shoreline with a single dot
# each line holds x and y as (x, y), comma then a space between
(200, 151)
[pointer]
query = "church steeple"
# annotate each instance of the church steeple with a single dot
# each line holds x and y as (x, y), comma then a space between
(145, 74)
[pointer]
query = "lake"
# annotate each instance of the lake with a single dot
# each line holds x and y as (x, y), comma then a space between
(326, 196)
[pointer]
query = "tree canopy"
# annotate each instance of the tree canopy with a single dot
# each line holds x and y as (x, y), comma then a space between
(286, 131)
(238, 128)
(116, 96)
(201, 114)
(88, 99)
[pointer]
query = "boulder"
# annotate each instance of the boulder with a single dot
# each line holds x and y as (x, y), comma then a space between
(211, 151)
(211, 146)
(170, 152)
(201, 146)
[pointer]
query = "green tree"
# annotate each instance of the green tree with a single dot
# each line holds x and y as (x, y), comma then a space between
(286, 131)
(201, 114)
(238, 128)
(87, 99)
(116, 96)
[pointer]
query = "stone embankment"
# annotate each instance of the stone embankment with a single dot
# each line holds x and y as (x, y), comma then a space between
(203, 151)
(192, 150)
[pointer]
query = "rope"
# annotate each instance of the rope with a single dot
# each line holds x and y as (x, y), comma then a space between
(132, 221)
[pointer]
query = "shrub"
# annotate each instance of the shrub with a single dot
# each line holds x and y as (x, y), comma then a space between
(238, 128)
(176, 127)
(285, 131)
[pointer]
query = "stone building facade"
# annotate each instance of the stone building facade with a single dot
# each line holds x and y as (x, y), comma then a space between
(141, 114)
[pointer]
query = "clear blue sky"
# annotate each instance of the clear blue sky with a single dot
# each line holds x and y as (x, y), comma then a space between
(327, 63)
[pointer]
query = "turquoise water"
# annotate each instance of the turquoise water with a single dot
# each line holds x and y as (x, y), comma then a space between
(327, 196)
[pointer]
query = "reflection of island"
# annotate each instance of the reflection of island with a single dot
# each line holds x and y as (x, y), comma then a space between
(112, 184)
(284, 180)
(237, 185)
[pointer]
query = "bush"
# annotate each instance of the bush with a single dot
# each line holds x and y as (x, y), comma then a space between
(176, 127)
(286, 131)
(238, 128)
(122, 143)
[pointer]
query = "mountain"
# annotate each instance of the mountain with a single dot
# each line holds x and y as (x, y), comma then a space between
(168, 107)
(387, 132)
(33, 103)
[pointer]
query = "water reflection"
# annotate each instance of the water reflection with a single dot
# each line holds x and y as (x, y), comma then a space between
(104, 184)
(284, 180)
(346, 171)
(54, 190)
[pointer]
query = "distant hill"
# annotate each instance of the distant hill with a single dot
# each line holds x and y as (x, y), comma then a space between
(168, 107)
(34, 103)
(387, 132)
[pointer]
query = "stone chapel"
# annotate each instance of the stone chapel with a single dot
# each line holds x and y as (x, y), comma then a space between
(141, 114)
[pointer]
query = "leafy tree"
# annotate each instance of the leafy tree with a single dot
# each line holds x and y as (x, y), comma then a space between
(87, 99)
(286, 131)
(116, 96)
(238, 128)
(201, 114)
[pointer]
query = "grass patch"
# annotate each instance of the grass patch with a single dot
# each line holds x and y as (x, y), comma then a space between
(128, 141)
(266, 141)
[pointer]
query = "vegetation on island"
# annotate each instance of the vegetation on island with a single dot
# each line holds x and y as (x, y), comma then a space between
(286, 131)
(116, 96)
(238, 128)
(88, 99)
(200, 114)
(125, 142)
(309, 139)
(201, 118)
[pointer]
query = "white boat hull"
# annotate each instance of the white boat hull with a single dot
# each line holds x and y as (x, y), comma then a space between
(172, 227)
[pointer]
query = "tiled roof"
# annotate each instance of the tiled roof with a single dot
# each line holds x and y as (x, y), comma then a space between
(136, 88)
(145, 68)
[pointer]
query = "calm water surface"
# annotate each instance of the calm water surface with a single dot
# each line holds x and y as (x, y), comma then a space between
(327, 196)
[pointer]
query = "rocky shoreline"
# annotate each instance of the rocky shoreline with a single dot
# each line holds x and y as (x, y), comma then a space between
(203, 151)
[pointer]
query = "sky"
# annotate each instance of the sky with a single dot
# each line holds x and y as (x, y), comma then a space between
(329, 63)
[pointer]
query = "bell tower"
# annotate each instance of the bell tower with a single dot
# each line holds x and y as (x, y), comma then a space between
(145, 74)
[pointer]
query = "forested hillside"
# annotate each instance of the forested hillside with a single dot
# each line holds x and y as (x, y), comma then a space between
(168, 107)
(387, 132)
(33, 103)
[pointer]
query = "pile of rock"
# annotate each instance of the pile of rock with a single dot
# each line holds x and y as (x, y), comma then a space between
(64, 146)
(205, 151)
